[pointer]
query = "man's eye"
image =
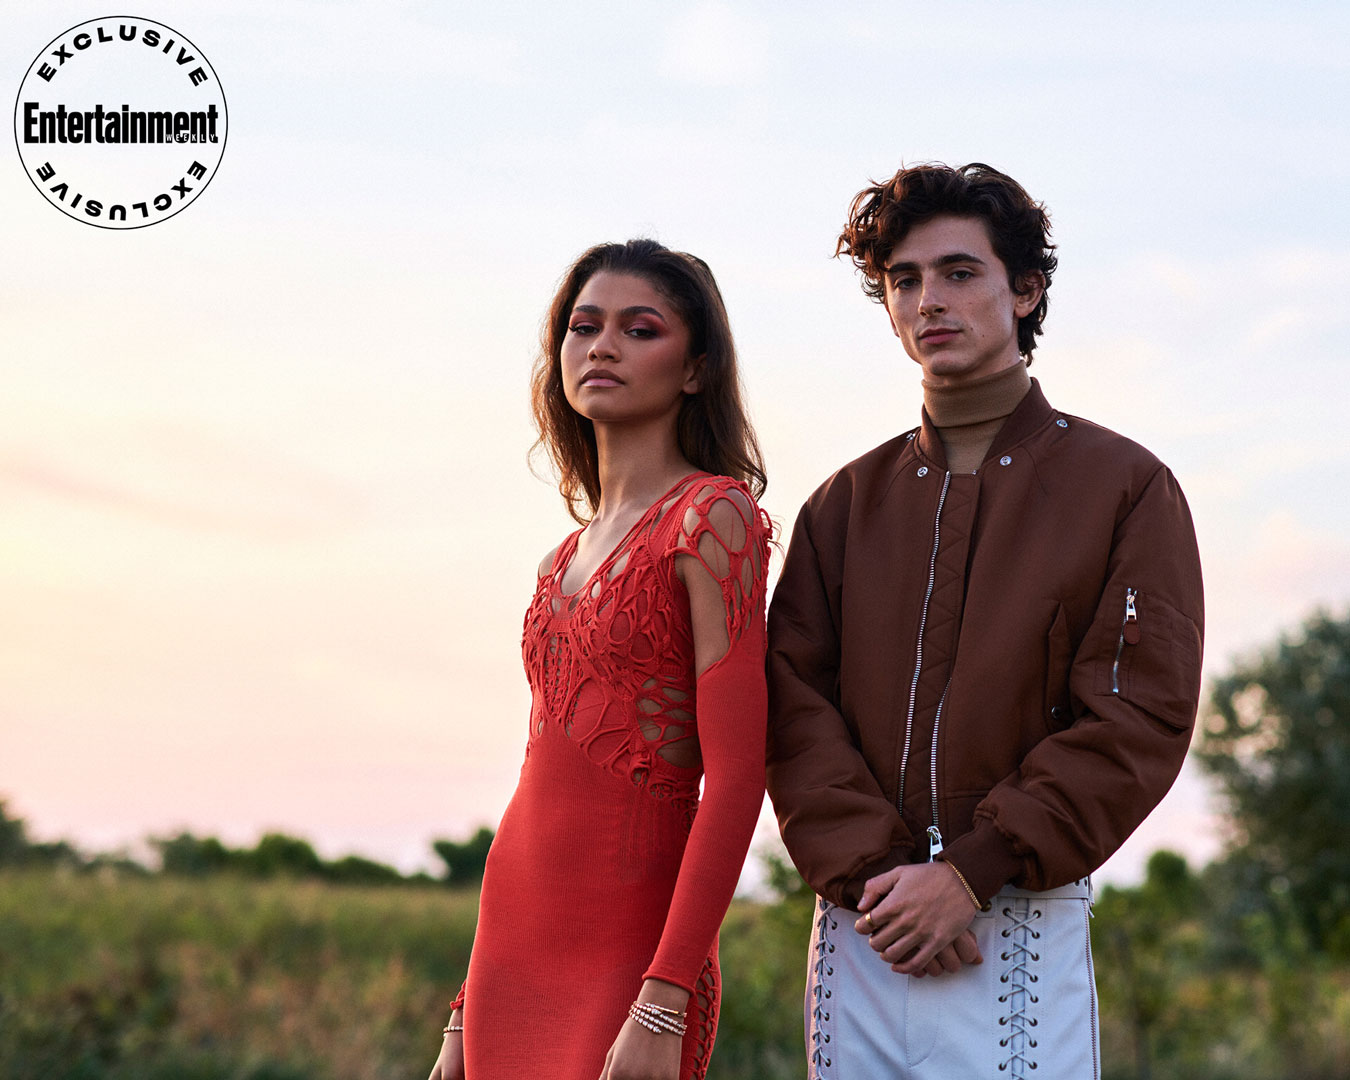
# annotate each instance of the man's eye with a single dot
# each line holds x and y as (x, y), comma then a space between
(961, 275)
(906, 283)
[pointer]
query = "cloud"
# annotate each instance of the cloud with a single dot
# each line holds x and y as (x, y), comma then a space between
(714, 46)
(183, 479)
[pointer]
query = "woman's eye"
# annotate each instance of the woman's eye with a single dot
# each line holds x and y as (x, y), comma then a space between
(642, 332)
(581, 328)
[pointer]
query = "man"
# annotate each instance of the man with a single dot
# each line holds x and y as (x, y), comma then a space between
(984, 665)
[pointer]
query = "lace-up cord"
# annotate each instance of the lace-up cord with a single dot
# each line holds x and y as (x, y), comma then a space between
(1020, 976)
(821, 993)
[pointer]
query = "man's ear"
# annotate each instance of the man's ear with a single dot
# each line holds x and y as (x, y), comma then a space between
(1028, 290)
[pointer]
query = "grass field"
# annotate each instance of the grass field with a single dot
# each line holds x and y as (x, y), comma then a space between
(114, 976)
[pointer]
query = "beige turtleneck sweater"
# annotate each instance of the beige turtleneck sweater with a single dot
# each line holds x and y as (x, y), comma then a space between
(968, 417)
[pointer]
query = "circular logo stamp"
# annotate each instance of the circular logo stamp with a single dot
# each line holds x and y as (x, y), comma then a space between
(120, 122)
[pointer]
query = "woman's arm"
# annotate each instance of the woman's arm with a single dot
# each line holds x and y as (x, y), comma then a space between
(450, 1063)
(722, 559)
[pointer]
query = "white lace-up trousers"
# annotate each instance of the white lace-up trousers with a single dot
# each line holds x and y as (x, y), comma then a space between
(1030, 1010)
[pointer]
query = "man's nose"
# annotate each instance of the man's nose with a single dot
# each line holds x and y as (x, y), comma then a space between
(930, 300)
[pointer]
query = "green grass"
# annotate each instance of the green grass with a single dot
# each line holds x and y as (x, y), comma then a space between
(104, 976)
(126, 977)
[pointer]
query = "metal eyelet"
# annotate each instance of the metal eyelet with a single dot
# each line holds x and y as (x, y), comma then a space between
(1005, 460)
(1062, 423)
(923, 470)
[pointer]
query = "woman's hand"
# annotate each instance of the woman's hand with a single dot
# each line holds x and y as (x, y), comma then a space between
(450, 1063)
(640, 1054)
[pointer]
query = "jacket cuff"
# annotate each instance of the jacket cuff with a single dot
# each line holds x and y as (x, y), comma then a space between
(985, 858)
(851, 894)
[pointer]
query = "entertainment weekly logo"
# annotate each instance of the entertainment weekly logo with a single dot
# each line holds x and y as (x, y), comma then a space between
(120, 122)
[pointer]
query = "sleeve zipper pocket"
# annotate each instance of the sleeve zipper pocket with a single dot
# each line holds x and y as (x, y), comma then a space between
(1129, 635)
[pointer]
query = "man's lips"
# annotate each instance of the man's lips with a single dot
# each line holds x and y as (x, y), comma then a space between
(938, 335)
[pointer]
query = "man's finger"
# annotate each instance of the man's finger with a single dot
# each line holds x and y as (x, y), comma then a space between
(967, 950)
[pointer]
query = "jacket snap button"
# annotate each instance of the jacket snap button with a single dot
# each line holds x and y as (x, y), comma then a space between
(1058, 713)
(923, 470)
(1062, 423)
(1005, 460)
(909, 437)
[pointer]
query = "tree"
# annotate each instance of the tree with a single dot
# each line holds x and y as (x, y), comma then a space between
(464, 863)
(13, 838)
(1277, 739)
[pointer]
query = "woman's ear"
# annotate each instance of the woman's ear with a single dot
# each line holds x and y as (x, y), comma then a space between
(693, 370)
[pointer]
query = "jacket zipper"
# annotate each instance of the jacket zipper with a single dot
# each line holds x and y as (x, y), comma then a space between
(1131, 620)
(934, 831)
(918, 655)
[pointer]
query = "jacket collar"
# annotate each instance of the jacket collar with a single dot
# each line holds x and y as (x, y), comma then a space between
(1032, 413)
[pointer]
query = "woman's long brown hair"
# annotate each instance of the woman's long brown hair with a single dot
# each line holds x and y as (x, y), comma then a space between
(714, 432)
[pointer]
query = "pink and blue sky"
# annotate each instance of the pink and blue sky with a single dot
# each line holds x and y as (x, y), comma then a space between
(267, 527)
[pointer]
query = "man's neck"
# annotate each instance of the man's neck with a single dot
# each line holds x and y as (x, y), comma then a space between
(968, 416)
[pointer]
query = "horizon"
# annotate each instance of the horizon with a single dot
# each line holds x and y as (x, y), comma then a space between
(270, 529)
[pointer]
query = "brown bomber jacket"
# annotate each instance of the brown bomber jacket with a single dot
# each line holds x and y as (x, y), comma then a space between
(1037, 625)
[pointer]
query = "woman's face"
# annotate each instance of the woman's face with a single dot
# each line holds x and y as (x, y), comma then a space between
(625, 356)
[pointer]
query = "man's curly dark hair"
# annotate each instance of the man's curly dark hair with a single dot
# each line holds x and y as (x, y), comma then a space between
(1019, 227)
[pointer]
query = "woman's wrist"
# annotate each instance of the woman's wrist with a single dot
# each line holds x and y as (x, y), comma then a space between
(667, 995)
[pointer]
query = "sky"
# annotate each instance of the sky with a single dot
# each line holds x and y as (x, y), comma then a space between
(268, 524)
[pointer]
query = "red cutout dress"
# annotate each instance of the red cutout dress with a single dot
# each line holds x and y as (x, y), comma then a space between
(606, 868)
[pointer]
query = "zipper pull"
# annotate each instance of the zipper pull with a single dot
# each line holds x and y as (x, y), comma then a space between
(934, 842)
(1130, 631)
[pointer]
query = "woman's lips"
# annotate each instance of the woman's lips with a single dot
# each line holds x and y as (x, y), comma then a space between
(601, 379)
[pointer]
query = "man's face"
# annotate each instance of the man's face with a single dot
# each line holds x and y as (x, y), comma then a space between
(950, 303)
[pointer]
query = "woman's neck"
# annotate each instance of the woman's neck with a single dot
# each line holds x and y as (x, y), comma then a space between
(637, 464)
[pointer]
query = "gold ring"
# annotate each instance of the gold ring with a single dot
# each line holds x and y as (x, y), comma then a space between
(868, 916)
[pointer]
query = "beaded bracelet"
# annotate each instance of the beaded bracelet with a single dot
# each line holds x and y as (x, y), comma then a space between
(657, 1019)
(451, 1027)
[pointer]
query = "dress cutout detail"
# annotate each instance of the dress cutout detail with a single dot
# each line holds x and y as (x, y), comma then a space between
(606, 869)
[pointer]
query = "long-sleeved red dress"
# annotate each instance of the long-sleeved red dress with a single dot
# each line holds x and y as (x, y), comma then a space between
(606, 868)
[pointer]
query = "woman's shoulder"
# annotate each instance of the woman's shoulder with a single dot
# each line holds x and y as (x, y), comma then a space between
(720, 515)
(550, 561)
(711, 494)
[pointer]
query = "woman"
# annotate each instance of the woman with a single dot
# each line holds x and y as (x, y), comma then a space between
(596, 949)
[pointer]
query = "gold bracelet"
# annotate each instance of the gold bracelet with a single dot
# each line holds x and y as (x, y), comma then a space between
(966, 884)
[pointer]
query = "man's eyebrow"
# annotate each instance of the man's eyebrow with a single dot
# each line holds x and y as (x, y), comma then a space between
(942, 260)
(637, 309)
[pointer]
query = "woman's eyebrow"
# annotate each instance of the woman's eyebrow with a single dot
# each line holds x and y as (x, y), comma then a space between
(637, 309)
